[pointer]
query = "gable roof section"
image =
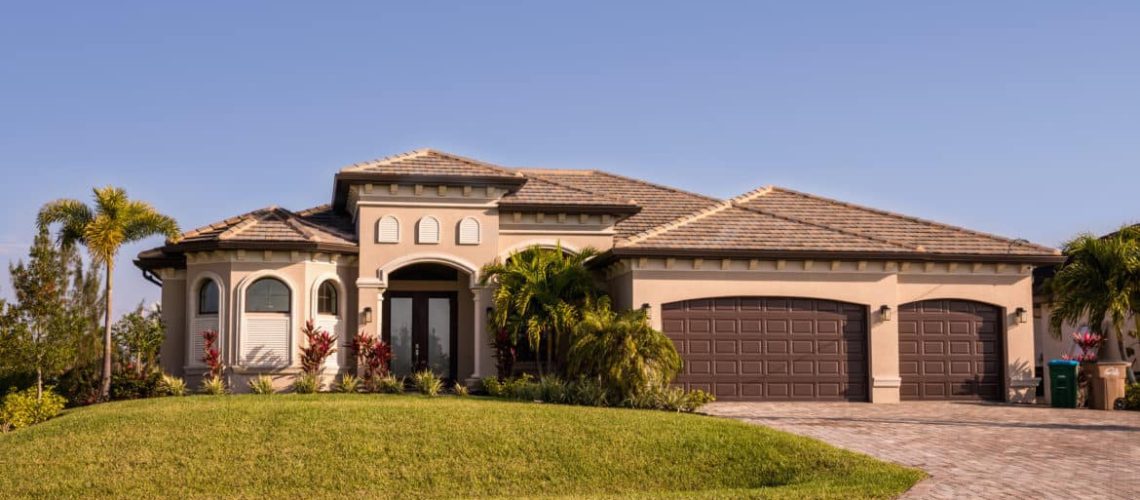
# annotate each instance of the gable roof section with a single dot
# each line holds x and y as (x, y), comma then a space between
(429, 162)
(659, 204)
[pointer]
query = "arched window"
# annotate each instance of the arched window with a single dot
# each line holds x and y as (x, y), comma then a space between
(388, 230)
(327, 299)
(427, 231)
(208, 297)
(267, 295)
(468, 231)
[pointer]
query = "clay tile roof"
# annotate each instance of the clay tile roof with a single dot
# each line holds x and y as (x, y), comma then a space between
(318, 225)
(659, 204)
(920, 234)
(429, 162)
(540, 191)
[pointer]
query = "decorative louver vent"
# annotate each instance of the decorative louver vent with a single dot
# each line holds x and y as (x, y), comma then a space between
(469, 231)
(427, 232)
(388, 230)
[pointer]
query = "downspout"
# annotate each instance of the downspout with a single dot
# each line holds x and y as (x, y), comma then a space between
(151, 277)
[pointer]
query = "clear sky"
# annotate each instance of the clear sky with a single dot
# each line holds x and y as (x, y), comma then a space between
(1019, 118)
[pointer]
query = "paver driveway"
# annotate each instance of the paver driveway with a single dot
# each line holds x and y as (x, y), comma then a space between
(974, 450)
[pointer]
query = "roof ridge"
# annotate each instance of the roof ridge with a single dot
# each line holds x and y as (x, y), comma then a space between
(387, 159)
(586, 191)
(757, 193)
(229, 221)
(655, 185)
(678, 222)
(313, 210)
(572, 171)
(299, 218)
(480, 163)
(917, 219)
(251, 219)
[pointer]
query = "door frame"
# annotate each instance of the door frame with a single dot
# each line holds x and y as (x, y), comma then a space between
(420, 319)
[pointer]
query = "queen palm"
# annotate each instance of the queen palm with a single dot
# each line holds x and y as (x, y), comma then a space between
(103, 228)
(622, 350)
(538, 293)
(1099, 283)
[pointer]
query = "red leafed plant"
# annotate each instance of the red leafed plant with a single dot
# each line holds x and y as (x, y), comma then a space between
(505, 353)
(319, 346)
(373, 354)
(212, 356)
(1088, 343)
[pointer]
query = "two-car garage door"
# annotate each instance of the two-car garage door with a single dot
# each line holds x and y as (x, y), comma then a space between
(773, 349)
(783, 349)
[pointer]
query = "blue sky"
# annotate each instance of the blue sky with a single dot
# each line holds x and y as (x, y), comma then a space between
(1019, 118)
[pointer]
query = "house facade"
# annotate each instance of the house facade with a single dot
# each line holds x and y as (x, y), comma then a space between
(772, 295)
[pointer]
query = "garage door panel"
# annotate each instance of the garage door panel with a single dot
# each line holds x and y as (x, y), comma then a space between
(959, 353)
(759, 348)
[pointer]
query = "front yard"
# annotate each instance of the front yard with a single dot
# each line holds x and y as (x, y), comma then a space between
(332, 445)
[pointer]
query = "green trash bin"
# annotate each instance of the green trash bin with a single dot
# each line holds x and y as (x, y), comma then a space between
(1063, 383)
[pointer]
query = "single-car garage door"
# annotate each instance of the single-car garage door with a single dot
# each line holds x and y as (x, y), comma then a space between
(950, 349)
(770, 349)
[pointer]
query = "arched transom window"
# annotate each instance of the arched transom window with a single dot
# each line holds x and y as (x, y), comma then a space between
(208, 297)
(327, 299)
(267, 295)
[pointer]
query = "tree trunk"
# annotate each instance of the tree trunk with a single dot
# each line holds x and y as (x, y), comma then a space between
(39, 383)
(105, 393)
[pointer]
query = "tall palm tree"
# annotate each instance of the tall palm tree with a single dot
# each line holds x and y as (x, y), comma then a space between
(1099, 283)
(622, 350)
(113, 221)
(537, 294)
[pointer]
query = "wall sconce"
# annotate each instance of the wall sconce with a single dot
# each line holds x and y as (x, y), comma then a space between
(885, 312)
(367, 315)
(1022, 315)
(490, 311)
(645, 308)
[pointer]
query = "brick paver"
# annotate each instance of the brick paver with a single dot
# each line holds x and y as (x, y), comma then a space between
(975, 450)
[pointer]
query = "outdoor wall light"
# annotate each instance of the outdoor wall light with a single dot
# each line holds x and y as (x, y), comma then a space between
(885, 312)
(645, 308)
(367, 315)
(490, 311)
(1022, 315)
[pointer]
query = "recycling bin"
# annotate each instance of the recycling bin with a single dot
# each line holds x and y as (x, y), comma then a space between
(1063, 383)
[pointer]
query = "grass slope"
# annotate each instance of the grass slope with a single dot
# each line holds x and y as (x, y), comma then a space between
(330, 445)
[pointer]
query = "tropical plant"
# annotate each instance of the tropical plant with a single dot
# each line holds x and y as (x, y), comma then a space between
(373, 354)
(427, 383)
(39, 332)
(460, 390)
(536, 298)
(493, 386)
(621, 350)
(391, 384)
(1099, 283)
(589, 392)
(505, 352)
(213, 382)
(552, 389)
(173, 386)
(139, 335)
(30, 406)
(113, 221)
(348, 383)
(130, 383)
(214, 386)
(1131, 399)
(262, 384)
(319, 345)
(306, 383)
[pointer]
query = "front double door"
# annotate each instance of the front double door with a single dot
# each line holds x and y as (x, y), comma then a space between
(421, 328)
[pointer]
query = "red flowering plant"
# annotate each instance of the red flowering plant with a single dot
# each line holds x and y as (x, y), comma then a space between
(1088, 343)
(320, 344)
(212, 356)
(505, 353)
(374, 355)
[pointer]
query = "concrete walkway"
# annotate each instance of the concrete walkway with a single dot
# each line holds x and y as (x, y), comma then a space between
(974, 450)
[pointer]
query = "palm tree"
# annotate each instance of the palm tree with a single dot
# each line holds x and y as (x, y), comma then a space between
(622, 350)
(113, 221)
(537, 295)
(1099, 283)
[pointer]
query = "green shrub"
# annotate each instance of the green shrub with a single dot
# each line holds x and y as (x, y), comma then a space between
(427, 383)
(1131, 399)
(348, 383)
(172, 386)
(129, 384)
(263, 384)
(494, 387)
(460, 390)
(696, 398)
(523, 388)
(22, 408)
(214, 386)
(588, 392)
(306, 383)
(552, 389)
(391, 384)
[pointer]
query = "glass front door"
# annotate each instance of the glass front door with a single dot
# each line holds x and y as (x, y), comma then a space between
(421, 328)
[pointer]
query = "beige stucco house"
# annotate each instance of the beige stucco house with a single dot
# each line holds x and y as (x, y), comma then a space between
(772, 295)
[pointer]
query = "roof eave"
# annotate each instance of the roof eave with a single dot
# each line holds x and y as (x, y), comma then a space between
(343, 180)
(601, 208)
(833, 255)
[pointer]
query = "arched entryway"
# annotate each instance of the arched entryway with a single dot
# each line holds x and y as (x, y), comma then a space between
(423, 306)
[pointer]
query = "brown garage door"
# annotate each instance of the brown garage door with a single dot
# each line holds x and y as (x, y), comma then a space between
(770, 349)
(950, 349)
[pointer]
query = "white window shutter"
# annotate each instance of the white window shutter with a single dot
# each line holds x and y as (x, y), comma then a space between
(428, 231)
(266, 341)
(469, 231)
(388, 230)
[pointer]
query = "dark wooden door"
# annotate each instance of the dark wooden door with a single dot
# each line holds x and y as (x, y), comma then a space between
(771, 348)
(421, 328)
(951, 349)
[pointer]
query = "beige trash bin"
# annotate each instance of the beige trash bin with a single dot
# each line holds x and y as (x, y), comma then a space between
(1108, 384)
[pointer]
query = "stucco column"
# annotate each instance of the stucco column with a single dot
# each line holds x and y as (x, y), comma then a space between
(883, 355)
(479, 329)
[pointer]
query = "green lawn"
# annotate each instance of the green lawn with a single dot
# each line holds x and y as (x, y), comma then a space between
(330, 445)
